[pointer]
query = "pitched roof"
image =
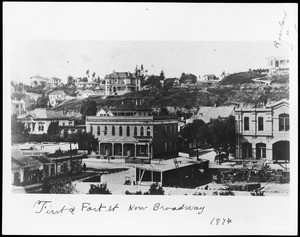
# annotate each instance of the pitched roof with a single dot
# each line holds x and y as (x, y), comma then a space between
(18, 158)
(57, 92)
(44, 114)
(131, 105)
(120, 75)
(207, 113)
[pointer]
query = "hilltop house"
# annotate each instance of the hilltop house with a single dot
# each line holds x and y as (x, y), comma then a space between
(133, 133)
(277, 64)
(263, 133)
(56, 97)
(38, 120)
(38, 80)
(119, 83)
(54, 82)
(85, 94)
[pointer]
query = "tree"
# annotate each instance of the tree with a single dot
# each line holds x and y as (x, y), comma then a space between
(59, 187)
(70, 80)
(153, 82)
(42, 102)
(222, 133)
(168, 83)
(84, 79)
(86, 141)
(19, 133)
(53, 131)
(162, 75)
(188, 78)
(155, 189)
(88, 108)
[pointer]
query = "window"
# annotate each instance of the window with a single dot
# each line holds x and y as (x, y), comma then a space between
(135, 131)
(148, 131)
(260, 123)
(91, 129)
(166, 129)
(98, 131)
(246, 150)
(166, 146)
(246, 124)
(70, 123)
(171, 147)
(142, 149)
(260, 150)
(120, 131)
(127, 131)
(142, 131)
(105, 130)
(113, 131)
(170, 129)
(284, 122)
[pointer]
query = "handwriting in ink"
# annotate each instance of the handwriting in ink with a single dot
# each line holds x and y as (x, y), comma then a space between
(86, 206)
(46, 208)
(220, 221)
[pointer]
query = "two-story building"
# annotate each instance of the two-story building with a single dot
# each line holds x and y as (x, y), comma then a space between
(277, 64)
(38, 120)
(132, 132)
(54, 82)
(263, 132)
(119, 83)
(18, 107)
(56, 97)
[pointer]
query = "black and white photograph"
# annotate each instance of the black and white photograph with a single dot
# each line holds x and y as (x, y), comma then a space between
(139, 113)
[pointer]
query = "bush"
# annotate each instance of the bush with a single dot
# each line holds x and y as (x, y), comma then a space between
(99, 189)
(136, 193)
(225, 193)
(59, 187)
(258, 193)
(155, 189)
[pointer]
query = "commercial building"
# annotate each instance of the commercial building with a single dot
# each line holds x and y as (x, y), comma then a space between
(119, 83)
(132, 132)
(263, 132)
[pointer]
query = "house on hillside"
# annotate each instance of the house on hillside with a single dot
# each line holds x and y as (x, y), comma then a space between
(85, 94)
(38, 120)
(210, 77)
(38, 80)
(56, 97)
(206, 113)
(133, 133)
(86, 85)
(277, 64)
(18, 107)
(120, 83)
(263, 133)
(54, 82)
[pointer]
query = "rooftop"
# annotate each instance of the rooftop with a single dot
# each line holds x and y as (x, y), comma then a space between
(207, 113)
(43, 114)
(120, 75)
(56, 92)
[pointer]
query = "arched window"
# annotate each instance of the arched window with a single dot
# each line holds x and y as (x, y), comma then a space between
(113, 131)
(142, 131)
(260, 123)
(98, 131)
(105, 130)
(148, 131)
(246, 123)
(120, 131)
(170, 129)
(127, 131)
(135, 131)
(284, 122)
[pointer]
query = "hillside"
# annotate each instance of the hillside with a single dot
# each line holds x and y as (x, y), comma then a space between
(243, 77)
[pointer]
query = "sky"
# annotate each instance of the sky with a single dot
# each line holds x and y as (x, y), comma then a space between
(61, 58)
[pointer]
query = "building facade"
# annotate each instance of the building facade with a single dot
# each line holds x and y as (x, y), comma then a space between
(119, 83)
(276, 64)
(56, 97)
(134, 133)
(263, 133)
(18, 107)
(38, 120)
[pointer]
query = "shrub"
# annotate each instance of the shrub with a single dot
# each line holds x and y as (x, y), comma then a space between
(155, 189)
(258, 193)
(136, 193)
(59, 187)
(99, 189)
